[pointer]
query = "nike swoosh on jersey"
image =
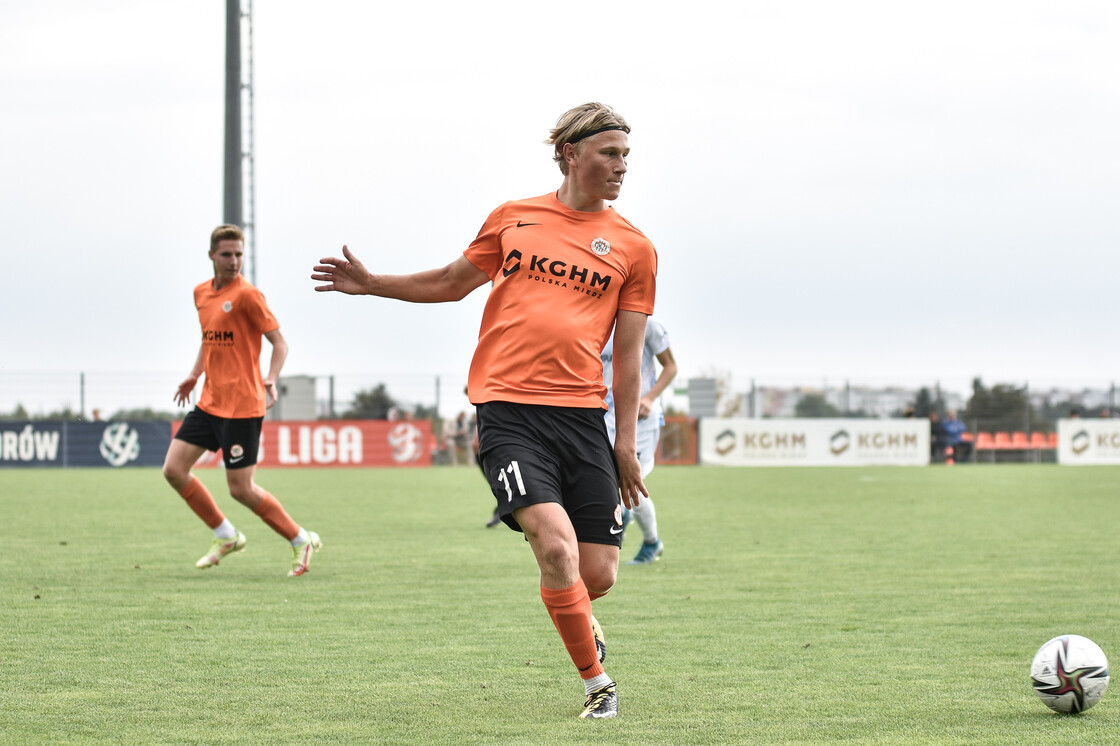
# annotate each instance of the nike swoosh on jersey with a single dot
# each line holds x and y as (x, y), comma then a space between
(522, 225)
(616, 530)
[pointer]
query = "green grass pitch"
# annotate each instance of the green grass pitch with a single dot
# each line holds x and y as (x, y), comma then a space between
(792, 606)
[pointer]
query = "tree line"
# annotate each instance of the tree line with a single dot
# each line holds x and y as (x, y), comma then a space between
(368, 404)
(1003, 407)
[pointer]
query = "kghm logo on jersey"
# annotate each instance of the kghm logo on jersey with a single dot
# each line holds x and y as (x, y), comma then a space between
(558, 273)
(217, 337)
(600, 246)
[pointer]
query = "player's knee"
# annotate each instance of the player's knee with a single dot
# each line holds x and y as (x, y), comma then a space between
(175, 476)
(560, 557)
(594, 593)
(598, 581)
(245, 495)
(558, 561)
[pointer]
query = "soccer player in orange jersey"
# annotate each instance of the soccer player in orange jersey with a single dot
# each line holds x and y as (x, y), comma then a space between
(565, 268)
(234, 316)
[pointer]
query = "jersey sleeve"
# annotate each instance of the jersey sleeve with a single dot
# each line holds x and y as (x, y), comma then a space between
(259, 314)
(485, 252)
(640, 288)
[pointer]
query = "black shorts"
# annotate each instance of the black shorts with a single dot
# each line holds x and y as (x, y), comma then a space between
(238, 439)
(538, 454)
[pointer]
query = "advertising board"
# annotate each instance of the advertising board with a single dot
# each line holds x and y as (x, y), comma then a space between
(814, 442)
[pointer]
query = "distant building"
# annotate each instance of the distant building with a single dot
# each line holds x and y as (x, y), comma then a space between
(780, 402)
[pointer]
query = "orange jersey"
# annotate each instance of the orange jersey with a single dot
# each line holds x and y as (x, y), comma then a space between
(560, 277)
(233, 320)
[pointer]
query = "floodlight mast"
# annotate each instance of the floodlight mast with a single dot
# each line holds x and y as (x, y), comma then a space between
(239, 161)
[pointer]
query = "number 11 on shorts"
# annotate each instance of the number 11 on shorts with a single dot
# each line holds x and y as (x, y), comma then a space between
(515, 470)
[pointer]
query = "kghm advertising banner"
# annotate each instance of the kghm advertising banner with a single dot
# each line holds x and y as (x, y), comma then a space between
(814, 442)
(1088, 442)
(340, 443)
(112, 444)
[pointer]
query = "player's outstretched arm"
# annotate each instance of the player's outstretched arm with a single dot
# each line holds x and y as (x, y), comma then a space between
(348, 275)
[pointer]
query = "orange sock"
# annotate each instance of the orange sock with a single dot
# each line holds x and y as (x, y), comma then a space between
(570, 609)
(202, 503)
(272, 512)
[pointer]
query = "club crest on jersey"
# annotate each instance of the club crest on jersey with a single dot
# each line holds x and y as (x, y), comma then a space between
(227, 306)
(600, 246)
(236, 452)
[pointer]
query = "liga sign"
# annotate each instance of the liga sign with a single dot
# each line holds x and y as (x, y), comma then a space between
(814, 442)
(331, 443)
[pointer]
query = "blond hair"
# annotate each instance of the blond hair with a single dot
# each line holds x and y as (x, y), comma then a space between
(581, 122)
(225, 233)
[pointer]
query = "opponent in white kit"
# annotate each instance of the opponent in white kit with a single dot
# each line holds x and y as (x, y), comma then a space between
(650, 421)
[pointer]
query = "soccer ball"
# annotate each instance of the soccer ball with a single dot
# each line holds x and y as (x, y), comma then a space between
(1069, 673)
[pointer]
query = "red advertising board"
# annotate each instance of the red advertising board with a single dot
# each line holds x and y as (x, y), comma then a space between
(339, 443)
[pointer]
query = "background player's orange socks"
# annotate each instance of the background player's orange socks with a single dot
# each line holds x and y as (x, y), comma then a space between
(202, 503)
(570, 609)
(272, 512)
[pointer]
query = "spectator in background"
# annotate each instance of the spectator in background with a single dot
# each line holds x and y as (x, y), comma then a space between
(472, 430)
(449, 442)
(460, 439)
(937, 440)
(954, 437)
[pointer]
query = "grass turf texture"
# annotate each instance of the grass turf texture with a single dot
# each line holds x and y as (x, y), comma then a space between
(792, 606)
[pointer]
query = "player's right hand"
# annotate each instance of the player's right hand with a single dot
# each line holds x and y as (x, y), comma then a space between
(183, 393)
(343, 275)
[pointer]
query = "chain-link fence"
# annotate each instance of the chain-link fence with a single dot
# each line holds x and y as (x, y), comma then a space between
(1023, 406)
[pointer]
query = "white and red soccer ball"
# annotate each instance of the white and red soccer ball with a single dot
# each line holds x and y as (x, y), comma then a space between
(1069, 673)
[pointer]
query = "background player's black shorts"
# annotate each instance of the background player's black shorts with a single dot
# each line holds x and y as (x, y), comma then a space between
(537, 454)
(238, 439)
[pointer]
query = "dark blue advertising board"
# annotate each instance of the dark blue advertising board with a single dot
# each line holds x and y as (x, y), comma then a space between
(115, 444)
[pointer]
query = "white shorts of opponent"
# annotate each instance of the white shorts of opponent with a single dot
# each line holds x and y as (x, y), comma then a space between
(647, 446)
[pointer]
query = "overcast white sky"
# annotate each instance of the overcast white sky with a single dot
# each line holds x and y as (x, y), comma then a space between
(874, 191)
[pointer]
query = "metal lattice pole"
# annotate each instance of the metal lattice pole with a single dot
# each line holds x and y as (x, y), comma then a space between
(248, 159)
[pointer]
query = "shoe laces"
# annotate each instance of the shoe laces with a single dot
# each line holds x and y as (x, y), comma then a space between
(597, 697)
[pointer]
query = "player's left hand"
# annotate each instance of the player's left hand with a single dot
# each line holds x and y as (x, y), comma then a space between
(270, 395)
(630, 484)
